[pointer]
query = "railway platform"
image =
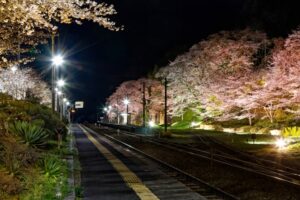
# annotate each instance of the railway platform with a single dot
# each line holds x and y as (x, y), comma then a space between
(112, 172)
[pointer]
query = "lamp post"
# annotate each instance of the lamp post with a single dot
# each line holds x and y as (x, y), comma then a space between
(64, 101)
(60, 83)
(59, 94)
(126, 102)
(56, 62)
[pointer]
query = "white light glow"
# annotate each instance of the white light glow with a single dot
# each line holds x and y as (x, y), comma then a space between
(281, 143)
(126, 101)
(61, 83)
(14, 69)
(64, 99)
(59, 93)
(151, 123)
(193, 124)
(275, 132)
(57, 60)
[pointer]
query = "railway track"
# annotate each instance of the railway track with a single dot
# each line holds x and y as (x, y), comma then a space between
(195, 184)
(261, 167)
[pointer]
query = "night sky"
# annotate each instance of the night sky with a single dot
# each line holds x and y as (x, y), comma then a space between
(155, 32)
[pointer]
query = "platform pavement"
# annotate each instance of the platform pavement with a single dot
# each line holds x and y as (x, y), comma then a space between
(110, 172)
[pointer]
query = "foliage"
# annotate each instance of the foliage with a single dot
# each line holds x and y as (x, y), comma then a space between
(20, 175)
(133, 90)
(9, 184)
(24, 83)
(51, 166)
(239, 75)
(31, 135)
(291, 132)
(25, 24)
(15, 156)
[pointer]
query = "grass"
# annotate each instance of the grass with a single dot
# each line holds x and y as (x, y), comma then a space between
(242, 142)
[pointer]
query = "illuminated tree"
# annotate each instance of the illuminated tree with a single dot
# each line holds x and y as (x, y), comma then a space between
(132, 90)
(24, 24)
(206, 78)
(18, 83)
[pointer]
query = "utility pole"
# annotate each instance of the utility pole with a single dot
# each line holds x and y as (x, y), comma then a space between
(144, 104)
(166, 106)
(53, 75)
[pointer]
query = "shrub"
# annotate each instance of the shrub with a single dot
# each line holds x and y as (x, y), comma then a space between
(51, 166)
(15, 156)
(9, 184)
(31, 135)
(264, 131)
(291, 132)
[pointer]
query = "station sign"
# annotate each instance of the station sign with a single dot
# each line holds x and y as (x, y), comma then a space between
(79, 104)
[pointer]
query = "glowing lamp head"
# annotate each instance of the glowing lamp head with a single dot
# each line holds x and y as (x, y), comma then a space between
(281, 143)
(64, 99)
(105, 109)
(57, 60)
(67, 103)
(59, 93)
(61, 83)
(126, 101)
(151, 123)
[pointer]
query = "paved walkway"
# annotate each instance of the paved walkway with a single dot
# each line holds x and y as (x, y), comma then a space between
(110, 172)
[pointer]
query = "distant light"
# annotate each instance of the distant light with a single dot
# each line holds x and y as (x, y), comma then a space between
(64, 99)
(56, 89)
(193, 124)
(109, 107)
(67, 103)
(275, 132)
(126, 101)
(105, 109)
(57, 60)
(61, 83)
(59, 93)
(14, 69)
(151, 123)
(281, 143)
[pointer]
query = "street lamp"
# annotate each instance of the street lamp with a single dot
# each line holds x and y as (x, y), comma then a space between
(126, 102)
(61, 83)
(59, 92)
(57, 60)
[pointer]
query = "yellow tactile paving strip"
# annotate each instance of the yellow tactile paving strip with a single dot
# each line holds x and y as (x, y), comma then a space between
(130, 178)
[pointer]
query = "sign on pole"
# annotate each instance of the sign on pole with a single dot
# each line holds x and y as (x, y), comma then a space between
(79, 104)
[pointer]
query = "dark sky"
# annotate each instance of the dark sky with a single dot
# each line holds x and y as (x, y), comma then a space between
(155, 32)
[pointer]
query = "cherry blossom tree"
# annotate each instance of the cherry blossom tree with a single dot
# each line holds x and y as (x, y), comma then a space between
(205, 78)
(27, 23)
(18, 83)
(133, 91)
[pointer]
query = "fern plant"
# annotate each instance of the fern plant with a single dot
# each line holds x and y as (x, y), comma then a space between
(291, 132)
(31, 135)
